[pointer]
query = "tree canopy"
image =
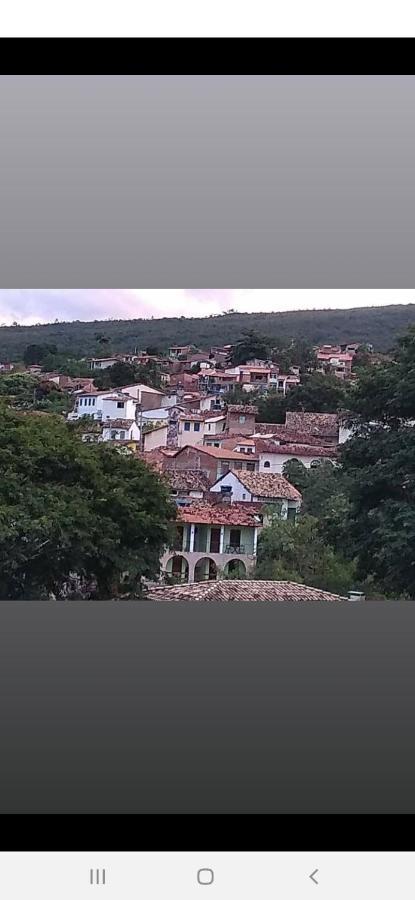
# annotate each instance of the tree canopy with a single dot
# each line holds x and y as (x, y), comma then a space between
(70, 509)
(296, 551)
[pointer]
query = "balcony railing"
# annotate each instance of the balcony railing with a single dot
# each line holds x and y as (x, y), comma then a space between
(230, 548)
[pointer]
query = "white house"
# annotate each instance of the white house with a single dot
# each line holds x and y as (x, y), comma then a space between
(103, 405)
(256, 487)
(272, 456)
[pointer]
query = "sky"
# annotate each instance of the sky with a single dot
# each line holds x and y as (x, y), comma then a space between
(28, 307)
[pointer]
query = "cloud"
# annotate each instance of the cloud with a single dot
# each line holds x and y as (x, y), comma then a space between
(32, 306)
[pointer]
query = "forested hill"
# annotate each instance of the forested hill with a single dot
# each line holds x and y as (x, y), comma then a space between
(377, 325)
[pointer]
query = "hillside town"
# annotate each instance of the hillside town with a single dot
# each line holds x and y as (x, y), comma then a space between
(200, 432)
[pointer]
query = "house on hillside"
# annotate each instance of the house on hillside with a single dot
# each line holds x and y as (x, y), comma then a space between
(257, 487)
(104, 362)
(213, 540)
(187, 485)
(211, 460)
(272, 456)
(322, 425)
(331, 360)
(240, 418)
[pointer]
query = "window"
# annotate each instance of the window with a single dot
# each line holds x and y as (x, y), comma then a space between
(242, 419)
(216, 444)
(267, 464)
(250, 467)
(122, 435)
(243, 496)
(238, 465)
(120, 404)
(80, 401)
(187, 426)
(291, 513)
(93, 401)
(209, 427)
(196, 426)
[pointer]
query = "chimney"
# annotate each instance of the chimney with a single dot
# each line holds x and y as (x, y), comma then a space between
(172, 440)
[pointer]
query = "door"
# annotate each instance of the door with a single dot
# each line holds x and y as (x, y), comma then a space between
(214, 540)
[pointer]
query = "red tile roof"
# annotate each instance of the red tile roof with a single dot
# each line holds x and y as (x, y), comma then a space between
(202, 513)
(263, 446)
(219, 453)
(187, 480)
(243, 409)
(315, 423)
(288, 435)
(270, 485)
(242, 591)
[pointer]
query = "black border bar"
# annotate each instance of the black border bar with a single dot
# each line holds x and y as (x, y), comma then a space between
(134, 833)
(127, 55)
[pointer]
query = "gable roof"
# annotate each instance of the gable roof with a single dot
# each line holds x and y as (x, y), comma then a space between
(218, 452)
(266, 484)
(242, 591)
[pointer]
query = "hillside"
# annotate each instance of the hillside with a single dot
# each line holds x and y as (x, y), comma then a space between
(378, 325)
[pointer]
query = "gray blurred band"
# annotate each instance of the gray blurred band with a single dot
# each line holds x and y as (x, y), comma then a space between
(207, 181)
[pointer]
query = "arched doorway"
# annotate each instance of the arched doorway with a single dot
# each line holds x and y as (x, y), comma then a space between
(235, 568)
(206, 570)
(177, 570)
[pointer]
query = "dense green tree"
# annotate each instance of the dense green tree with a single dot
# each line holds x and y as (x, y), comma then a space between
(296, 352)
(123, 373)
(35, 354)
(325, 497)
(18, 389)
(250, 346)
(318, 393)
(289, 551)
(67, 507)
(272, 408)
(379, 462)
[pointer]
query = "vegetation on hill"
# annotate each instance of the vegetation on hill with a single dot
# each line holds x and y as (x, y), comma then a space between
(378, 325)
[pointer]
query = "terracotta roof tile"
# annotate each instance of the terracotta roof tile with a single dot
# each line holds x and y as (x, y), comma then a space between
(187, 480)
(202, 513)
(243, 409)
(264, 446)
(314, 423)
(242, 591)
(269, 485)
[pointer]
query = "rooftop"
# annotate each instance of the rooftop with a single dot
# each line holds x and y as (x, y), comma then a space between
(264, 446)
(202, 513)
(268, 484)
(187, 480)
(243, 409)
(242, 591)
(313, 422)
(220, 453)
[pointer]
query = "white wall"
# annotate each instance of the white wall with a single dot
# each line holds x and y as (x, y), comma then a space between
(277, 461)
(239, 492)
(156, 438)
(191, 437)
(111, 410)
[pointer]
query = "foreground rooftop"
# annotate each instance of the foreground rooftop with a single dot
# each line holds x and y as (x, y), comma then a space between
(242, 591)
